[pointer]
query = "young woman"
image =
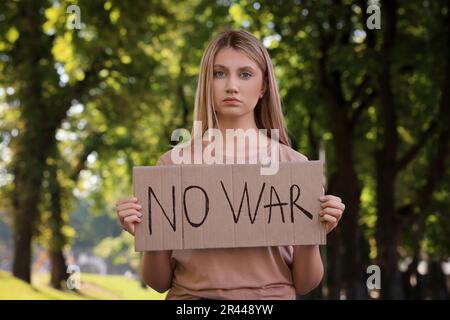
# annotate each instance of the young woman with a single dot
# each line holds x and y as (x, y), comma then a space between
(236, 90)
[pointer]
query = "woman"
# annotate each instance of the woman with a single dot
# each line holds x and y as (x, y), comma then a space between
(236, 90)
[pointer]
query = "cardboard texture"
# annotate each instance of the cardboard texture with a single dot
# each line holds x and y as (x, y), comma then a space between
(223, 206)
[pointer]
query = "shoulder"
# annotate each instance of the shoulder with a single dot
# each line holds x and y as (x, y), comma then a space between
(290, 155)
(165, 159)
(173, 153)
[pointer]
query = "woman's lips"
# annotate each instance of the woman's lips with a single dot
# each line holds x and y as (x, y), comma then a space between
(232, 101)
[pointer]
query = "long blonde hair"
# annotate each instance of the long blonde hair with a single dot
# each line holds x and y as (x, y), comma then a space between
(268, 112)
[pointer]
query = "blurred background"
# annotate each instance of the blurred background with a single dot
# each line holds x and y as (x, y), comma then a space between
(89, 89)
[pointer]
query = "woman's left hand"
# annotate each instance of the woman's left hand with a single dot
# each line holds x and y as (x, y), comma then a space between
(331, 211)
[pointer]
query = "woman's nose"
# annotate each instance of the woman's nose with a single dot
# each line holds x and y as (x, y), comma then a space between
(231, 90)
(231, 85)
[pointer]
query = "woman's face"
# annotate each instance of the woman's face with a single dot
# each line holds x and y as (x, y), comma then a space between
(236, 76)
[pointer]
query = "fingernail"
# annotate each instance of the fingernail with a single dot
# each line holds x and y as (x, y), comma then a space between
(139, 206)
(322, 198)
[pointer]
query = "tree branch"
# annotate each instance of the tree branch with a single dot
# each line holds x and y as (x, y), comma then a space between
(359, 91)
(365, 102)
(93, 143)
(412, 152)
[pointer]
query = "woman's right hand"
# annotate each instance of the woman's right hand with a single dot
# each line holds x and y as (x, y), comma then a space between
(129, 213)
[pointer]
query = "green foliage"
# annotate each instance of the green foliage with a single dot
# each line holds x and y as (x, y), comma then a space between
(114, 91)
(120, 250)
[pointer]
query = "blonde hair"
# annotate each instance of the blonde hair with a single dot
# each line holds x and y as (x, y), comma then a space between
(268, 112)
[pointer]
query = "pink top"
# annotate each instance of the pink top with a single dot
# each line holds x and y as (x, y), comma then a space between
(234, 273)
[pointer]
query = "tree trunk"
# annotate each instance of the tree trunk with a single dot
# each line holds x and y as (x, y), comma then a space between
(30, 164)
(341, 121)
(42, 112)
(58, 240)
(23, 231)
(437, 287)
(386, 160)
(334, 266)
(346, 186)
(385, 232)
(36, 138)
(348, 189)
(58, 271)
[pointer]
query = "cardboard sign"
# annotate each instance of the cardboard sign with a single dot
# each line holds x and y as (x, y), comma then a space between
(220, 206)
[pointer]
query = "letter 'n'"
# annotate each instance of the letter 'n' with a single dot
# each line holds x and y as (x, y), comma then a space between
(150, 193)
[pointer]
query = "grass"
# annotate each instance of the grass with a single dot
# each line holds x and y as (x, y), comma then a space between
(92, 287)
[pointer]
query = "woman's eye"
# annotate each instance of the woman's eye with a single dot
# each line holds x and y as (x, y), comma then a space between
(221, 74)
(218, 74)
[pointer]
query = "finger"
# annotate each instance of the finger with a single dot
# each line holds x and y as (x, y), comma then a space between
(129, 205)
(329, 218)
(129, 199)
(129, 212)
(333, 204)
(330, 227)
(330, 197)
(131, 220)
(337, 213)
(132, 229)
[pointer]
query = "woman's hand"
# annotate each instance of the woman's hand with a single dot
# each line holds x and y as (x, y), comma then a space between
(129, 213)
(331, 211)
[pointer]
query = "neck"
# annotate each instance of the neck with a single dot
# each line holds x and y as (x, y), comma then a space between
(245, 122)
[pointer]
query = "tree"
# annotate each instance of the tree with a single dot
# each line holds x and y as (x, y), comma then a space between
(96, 71)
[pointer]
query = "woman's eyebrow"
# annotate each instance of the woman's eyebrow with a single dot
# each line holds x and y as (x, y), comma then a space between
(241, 68)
